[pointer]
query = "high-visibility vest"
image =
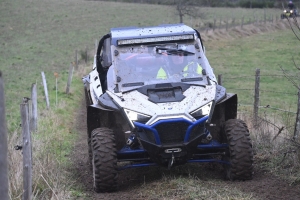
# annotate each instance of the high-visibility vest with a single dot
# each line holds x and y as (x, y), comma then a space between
(186, 68)
(161, 74)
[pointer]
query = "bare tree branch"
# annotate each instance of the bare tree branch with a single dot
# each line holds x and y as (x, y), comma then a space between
(289, 78)
(293, 29)
(295, 64)
(280, 130)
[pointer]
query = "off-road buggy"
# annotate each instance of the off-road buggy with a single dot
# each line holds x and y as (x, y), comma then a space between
(289, 13)
(136, 118)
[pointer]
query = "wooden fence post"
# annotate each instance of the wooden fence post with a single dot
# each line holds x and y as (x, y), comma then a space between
(86, 55)
(33, 120)
(233, 22)
(242, 23)
(45, 90)
(265, 17)
(3, 145)
(71, 69)
(76, 59)
(214, 24)
(227, 24)
(297, 125)
(256, 97)
(27, 155)
(220, 79)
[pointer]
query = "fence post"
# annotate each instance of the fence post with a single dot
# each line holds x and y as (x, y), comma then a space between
(214, 24)
(71, 69)
(297, 125)
(86, 55)
(220, 79)
(27, 156)
(45, 89)
(33, 120)
(256, 96)
(227, 24)
(242, 24)
(3, 145)
(265, 16)
(76, 59)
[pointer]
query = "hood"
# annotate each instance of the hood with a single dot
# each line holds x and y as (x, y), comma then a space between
(189, 100)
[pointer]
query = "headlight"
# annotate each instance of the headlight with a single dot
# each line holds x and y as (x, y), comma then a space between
(202, 111)
(284, 11)
(135, 116)
(291, 11)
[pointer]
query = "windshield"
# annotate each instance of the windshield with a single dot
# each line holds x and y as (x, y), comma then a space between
(160, 63)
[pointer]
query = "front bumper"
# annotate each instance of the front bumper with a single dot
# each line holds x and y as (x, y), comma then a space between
(173, 139)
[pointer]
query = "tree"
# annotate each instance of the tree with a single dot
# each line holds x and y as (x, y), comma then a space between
(186, 7)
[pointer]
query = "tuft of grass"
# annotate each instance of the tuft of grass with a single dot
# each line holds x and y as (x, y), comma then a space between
(191, 186)
(275, 150)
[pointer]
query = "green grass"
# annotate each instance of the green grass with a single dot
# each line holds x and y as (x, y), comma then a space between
(43, 36)
(238, 59)
(40, 35)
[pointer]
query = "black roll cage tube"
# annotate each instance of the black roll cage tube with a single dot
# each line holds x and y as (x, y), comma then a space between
(100, 68)
(198, 34)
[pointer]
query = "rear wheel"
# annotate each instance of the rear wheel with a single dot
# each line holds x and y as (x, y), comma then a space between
(104, 160)
(240, 153)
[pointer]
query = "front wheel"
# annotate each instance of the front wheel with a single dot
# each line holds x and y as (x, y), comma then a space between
(240, 152)
(104, 160)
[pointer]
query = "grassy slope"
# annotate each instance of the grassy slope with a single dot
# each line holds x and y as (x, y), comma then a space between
(43, 35)
(266, 51)
(40, 35)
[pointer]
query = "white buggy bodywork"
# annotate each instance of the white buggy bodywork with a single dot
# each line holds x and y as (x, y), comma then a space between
(146, 108)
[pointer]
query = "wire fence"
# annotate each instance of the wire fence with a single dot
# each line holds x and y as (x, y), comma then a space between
(263, 102)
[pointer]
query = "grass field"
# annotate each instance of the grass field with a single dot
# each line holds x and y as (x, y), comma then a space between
(40, 35)
(43, 36)
(238, 59)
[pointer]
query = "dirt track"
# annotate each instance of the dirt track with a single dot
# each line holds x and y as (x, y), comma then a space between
(263, 185)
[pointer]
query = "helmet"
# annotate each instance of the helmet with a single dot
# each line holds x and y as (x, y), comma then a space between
(290, 1)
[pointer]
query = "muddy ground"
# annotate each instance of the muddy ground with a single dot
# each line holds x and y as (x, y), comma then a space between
(263, 186)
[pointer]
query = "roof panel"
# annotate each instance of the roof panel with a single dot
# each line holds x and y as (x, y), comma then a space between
(144, 32)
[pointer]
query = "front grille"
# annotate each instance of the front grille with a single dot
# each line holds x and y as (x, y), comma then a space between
(175, 132)
(171, 132)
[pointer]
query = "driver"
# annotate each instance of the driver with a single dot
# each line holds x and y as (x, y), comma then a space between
(189, 68)
(179, 60)
(291, 5)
